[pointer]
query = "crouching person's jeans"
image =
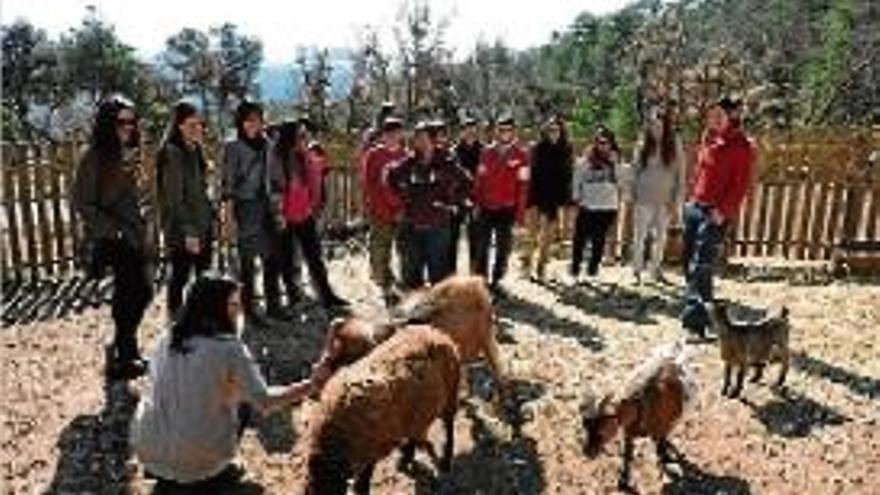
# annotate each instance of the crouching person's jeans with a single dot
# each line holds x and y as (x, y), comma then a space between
(702, 243)
(423, 248)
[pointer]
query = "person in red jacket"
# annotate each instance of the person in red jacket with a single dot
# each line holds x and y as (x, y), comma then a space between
(500, 190)
(721, 180)
(382, 206)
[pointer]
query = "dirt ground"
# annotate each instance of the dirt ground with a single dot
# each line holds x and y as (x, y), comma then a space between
(64, 431)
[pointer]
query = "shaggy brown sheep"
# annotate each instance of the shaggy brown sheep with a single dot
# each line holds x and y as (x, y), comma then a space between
(386, 399)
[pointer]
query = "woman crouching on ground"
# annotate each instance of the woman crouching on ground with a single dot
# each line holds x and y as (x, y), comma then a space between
(188, 424)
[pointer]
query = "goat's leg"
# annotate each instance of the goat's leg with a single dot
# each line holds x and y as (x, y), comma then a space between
(759, 372)
(493, 356)
(726, 385)
(627, 453)
(407, 455)
(664, 450)
(449, 445)
(740, 378)
(362, 484)
(783, 371)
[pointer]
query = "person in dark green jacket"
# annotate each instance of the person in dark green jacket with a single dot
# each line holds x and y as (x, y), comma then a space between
(187, 212)
(106, 196)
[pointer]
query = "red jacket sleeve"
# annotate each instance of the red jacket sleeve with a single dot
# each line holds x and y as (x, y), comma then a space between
(740, 173)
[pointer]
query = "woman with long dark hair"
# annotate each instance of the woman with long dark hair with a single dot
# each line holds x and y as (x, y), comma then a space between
(187, 425)
(106, 196)
(595, 190)
(549, 191)
(187, 214)
(297, 189)
(246, 185)
(657, 190)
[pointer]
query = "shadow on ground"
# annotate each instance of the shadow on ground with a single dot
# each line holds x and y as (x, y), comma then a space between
(865, 386)
(635, 304)
(495, 465)
(546, 321)
(794, 415)
(94, 450)
(692, 480)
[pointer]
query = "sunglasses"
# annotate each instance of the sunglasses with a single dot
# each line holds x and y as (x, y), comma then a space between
(126, 122)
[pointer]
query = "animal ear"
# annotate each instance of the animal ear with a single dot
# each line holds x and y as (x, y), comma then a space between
(783, 313)
(337, 323)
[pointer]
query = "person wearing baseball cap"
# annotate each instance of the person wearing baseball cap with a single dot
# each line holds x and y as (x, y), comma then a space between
(500, 191)
(381, 205)
(432, 189)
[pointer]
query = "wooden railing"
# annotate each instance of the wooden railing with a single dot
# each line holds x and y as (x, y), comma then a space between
(814, 193)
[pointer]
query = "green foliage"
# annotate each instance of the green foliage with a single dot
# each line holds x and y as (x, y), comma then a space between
(97, 61)
(623, 117)
(827, 66)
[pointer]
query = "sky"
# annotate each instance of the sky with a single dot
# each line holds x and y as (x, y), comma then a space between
(283, 25)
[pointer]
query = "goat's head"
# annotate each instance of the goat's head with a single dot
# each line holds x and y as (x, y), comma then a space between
(352, 339)
(600, 422)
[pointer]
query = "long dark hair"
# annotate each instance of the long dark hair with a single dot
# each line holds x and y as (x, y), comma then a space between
(563, 132)
(668, 149)
(104, 139)
(204, 312)
(285, 149)
(244, 111)
(182, 111)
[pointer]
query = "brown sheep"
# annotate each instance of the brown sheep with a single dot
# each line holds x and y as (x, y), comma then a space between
(650, 405)
(388, 398)
(459, 305)
(745, 344)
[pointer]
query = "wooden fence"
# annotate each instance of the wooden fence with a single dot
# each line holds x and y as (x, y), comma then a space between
(815, 194)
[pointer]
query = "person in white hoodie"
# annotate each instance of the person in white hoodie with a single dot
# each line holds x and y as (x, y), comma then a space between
(596, 192)
(657, 191)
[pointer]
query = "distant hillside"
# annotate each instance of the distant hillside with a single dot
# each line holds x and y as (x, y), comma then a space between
(281, 82)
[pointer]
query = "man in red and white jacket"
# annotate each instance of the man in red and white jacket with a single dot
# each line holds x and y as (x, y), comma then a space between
(500, 191)
(382, 206)
(721, 181)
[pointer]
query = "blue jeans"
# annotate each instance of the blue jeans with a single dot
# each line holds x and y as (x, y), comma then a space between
(424, 248)
(702, 241)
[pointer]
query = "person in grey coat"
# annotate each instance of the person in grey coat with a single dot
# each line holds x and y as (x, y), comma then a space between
(106, 196)
(187, 212)
(246, 186)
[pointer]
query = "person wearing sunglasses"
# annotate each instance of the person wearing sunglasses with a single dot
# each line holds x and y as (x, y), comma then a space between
(107, 198)
(596, 192)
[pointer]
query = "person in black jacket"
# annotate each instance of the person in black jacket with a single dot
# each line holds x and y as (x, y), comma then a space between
(467, 152)
(187, 213)
(107, 198)
(549, 191)
(246, 187)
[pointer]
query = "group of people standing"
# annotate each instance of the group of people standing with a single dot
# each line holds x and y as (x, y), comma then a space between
(273, 186)
(419, 198)
(423, 199)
